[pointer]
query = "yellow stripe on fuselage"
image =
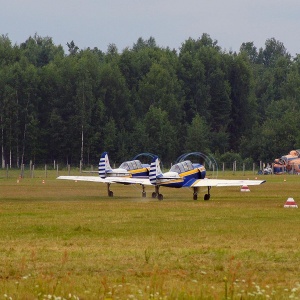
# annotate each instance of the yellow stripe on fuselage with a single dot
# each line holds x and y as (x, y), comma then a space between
(189, 173)
(138, 171)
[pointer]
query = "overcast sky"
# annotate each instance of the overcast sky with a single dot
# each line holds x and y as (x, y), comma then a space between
(98, 23)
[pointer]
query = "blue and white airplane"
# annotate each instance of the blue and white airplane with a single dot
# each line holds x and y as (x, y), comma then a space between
(188, 174)
(182, 174)
(129, 172)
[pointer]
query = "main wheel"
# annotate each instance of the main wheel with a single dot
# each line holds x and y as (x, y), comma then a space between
(110, 194)
(206, 197)
(144, 194)
(154, 195)
(160, 197)
(195, 196)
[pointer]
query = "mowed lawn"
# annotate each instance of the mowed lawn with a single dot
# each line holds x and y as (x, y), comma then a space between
(68, 239)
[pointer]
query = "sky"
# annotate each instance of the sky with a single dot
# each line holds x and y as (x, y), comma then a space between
(99, 23)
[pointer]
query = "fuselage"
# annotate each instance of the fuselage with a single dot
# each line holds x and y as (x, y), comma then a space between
(135, 168)
(182, 174)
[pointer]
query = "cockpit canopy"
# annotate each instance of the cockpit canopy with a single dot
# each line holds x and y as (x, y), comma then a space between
(131, 165)
(182, 167)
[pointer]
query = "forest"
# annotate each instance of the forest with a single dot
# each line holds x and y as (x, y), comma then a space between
(69, 106)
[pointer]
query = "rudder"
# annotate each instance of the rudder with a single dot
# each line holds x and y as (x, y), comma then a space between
(154, 170)
(104, 165)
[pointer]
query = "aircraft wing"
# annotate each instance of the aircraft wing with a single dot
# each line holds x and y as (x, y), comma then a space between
(128, 180)
(225, 182)
(116, 179)
(83, 178)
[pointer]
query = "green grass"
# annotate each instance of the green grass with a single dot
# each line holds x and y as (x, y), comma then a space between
(68, 239)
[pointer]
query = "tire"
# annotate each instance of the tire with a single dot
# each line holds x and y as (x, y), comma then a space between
(160, 197)
(206, 197)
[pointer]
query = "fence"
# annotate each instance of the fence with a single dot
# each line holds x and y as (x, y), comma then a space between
(54, 170)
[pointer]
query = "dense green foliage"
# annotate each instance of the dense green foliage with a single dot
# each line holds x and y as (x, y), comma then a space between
(72, 106)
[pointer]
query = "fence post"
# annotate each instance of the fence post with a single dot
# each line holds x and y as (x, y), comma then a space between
(22, 170)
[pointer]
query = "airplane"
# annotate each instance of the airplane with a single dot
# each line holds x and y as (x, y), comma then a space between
(188, 174)
(288, 163)
(182, 174)
(129, 172)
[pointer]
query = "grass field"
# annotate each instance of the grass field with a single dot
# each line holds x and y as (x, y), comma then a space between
(68, 240)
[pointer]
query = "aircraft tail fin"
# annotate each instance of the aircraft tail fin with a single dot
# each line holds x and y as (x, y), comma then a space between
(154, 170)
(104, 165)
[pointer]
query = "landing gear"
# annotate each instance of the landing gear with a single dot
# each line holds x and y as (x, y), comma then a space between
(195, 194)
(109, 192)
(207, 196)
(156, 194)
(143, 192)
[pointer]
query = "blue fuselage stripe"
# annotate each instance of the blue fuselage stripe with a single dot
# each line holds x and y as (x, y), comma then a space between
(140, 174)
(188, 180)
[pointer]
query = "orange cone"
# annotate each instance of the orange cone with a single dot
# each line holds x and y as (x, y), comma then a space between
(290, 202)
(245, 188)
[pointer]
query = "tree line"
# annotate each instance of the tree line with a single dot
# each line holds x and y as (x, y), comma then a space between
(70, 107)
